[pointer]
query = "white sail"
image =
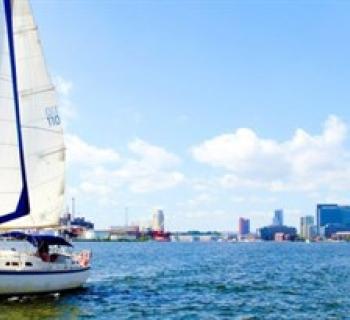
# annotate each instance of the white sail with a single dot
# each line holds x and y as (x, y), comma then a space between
(10, 178)
(44, 152)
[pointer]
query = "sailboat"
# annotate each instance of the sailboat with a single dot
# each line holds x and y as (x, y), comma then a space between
(32, 164)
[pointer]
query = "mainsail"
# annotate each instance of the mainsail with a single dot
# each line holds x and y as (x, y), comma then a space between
(39, 125)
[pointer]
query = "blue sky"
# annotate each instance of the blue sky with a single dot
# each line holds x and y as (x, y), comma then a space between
(160, 92)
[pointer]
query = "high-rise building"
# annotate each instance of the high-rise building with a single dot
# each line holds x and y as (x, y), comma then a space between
(158, 220)
(333, 216)
(243, 226)
(306, 225)
(278, 218)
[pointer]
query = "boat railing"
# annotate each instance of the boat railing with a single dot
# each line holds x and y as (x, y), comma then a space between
(83, 258)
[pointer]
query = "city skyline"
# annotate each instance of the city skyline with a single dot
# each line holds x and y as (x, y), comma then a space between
(241, 110)
(335, 216)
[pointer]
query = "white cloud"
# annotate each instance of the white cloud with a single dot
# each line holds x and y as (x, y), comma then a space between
(235, 181)
(316, 165)
(202, 199)
(96, 189)
(151, 168)
(63, 86)
(66, 106)
(304, 162)
(242, 152)
(153, 155)
(104, 174)
(80, 152)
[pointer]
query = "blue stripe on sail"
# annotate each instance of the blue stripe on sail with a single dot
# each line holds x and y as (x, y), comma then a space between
(22, 208)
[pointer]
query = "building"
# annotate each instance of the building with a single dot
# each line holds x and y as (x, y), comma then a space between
(88, 234)
(243, 226)
(329, 230)
(144, 225)
(269, 233)
(313, 232)
(102, 234)
(341, 236)
(278, 218)
(124, 233)
(306, 227)
(195, 236)
(158, 220)
(279, 236)
(81, 222)
(181, 238)
(75, 227)
(332, 218)
(66, 219)
(160, 236)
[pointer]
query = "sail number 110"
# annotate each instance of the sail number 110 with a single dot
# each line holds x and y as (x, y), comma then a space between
(52, 116)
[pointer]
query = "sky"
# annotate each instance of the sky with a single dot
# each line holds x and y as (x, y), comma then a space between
(210, 110)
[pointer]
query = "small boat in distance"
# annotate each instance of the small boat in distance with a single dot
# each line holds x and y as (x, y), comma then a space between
(32, 164)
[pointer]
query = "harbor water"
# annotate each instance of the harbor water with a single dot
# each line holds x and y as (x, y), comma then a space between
(202, 281)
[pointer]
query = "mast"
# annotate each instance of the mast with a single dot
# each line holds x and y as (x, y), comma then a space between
(73, 208)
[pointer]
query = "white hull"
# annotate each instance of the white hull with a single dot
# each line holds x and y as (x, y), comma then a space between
(26, 273)
(22, 282)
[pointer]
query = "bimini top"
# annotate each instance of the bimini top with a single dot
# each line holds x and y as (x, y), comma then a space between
(37, 239)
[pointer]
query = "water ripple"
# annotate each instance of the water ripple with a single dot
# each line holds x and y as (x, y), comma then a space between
(203, 281)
